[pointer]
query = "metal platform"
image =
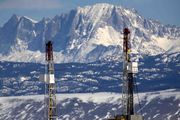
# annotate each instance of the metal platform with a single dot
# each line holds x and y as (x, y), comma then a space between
(125, 117)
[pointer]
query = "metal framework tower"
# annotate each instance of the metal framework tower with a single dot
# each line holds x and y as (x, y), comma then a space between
(129, 69)
(50, 80)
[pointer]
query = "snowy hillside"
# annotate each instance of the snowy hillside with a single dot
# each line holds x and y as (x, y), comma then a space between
(160, 72)
(160, 105)
(85, 34)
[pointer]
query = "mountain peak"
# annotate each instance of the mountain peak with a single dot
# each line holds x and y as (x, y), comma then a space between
(103, 5)
(90, 33)
(15, 17)
(107, 6)
(13, 20)
(30, 19)
(96, 7)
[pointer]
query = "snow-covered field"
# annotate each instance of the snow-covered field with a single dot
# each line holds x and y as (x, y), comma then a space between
(160, 105)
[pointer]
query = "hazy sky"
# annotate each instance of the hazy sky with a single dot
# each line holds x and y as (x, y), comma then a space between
(166, 11)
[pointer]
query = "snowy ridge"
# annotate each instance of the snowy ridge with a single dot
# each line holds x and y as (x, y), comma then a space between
(34, 21)
(102, 97)
(90, 106)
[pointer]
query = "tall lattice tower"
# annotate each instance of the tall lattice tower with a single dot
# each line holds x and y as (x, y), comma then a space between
(127, 88)
(50, 80)
(129, 69)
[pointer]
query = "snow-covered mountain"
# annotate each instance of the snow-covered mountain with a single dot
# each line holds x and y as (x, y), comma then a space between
(85, 34)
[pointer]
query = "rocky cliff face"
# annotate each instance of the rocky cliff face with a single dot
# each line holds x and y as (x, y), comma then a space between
(85, 35)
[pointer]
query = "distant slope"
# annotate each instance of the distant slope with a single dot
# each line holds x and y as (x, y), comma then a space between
(159, 72)
(160, 105)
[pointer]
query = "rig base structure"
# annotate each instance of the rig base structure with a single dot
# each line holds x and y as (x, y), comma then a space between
(127, 117)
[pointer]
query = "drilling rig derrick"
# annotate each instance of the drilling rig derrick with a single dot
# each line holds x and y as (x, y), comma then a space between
(50, 81)
(129, 69)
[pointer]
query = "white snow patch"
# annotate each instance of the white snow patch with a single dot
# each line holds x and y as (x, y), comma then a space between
(127, 11)
(93, 97)
(101, 96)
(107, 36)
(165, 43)
(155, 115)
(31, 56)
(34, 33)
(24, 78)
(34, 21)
